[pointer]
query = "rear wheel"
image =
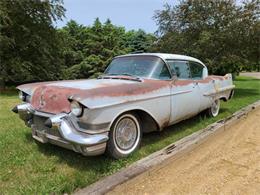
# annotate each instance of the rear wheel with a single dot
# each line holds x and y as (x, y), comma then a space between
(214, 109)
(124, 136)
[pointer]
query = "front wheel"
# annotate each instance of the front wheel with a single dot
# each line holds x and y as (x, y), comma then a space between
(214, 109)
(124, 136)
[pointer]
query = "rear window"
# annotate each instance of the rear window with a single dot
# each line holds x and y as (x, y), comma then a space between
(196, 70)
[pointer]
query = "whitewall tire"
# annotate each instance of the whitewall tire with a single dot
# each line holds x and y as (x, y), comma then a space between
(124, 136)
(213, 111)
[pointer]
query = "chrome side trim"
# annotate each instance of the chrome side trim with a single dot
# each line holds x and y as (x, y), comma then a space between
(220, 90)
(181, 92)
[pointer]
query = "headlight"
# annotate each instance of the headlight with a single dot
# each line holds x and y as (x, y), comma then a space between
(76, 108)
(24, 97)
(21, 95)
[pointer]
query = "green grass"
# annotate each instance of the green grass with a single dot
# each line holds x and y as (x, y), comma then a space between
(30, 168)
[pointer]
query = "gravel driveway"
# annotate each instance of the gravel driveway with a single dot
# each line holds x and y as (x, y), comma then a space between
(226, 163)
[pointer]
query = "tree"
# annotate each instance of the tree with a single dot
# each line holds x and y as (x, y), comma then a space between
(32, 49)
(139, 41)
(250, 31)
(89, 49)
(224, 34)
(29, 42)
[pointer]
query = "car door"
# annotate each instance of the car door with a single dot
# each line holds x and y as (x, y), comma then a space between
(200, 86)
(185, 100)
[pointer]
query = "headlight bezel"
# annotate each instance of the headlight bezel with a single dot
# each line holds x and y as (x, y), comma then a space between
(24, 96)
(76, 108)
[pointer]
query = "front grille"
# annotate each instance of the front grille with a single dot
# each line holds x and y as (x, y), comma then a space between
(39, 121)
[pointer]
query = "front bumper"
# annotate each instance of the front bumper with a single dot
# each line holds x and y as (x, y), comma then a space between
(59, 130)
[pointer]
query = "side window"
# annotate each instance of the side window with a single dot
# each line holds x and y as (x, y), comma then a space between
(196, 70)
(161, 72)
(180, 68)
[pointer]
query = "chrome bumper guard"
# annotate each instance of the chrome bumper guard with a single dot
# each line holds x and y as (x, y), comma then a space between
(70, 137)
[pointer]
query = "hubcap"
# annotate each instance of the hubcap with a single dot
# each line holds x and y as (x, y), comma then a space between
(215, 107)
(126, 133)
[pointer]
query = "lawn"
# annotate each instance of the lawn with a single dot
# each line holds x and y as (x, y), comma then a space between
(30, 168)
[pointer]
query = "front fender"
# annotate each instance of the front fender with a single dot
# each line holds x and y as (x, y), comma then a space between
(158, 108)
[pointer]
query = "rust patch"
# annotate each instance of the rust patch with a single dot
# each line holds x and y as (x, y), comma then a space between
(182, 82)
(206, 80)
(215, 77)
(165, 123)
(187, 82)
(32, 86)
(52, 99)
(136, 88)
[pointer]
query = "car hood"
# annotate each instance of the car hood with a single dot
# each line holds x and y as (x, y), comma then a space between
(83, 84)
(55, 97)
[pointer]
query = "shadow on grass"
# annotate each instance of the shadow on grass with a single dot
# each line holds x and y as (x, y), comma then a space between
(246, 79)
(241, 92)
(103, 165)
(82, 163)
(177, 129)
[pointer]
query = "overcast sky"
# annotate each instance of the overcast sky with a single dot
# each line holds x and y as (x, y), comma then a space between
(132, 14)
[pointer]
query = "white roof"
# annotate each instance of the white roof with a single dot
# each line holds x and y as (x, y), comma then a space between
(167, 56)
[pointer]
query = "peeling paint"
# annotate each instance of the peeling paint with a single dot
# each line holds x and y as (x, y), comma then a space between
(53, 97)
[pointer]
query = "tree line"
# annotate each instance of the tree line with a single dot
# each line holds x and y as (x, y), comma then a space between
(222, 33)
(225, 34)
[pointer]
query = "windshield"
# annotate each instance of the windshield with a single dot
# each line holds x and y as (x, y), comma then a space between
(139, 66)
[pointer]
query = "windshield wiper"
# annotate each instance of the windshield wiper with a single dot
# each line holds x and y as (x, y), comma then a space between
(118, 74)
(121, 74)
(134, 76)
(110, 74)
(127, 74)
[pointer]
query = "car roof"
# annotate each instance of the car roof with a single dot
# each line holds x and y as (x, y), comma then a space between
(166, 56)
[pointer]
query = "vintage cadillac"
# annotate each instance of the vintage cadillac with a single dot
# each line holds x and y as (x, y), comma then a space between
(138, 93)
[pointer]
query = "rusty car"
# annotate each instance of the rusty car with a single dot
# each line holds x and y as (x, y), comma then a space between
(137, 93)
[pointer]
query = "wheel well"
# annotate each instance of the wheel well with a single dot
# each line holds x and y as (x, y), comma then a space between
(224, 99)
(229, 96)
(147, 121)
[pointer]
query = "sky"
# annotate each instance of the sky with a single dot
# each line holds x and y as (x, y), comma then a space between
(132, 14)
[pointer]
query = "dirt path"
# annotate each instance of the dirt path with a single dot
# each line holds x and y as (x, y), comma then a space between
(251, 74)
(226, 163)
